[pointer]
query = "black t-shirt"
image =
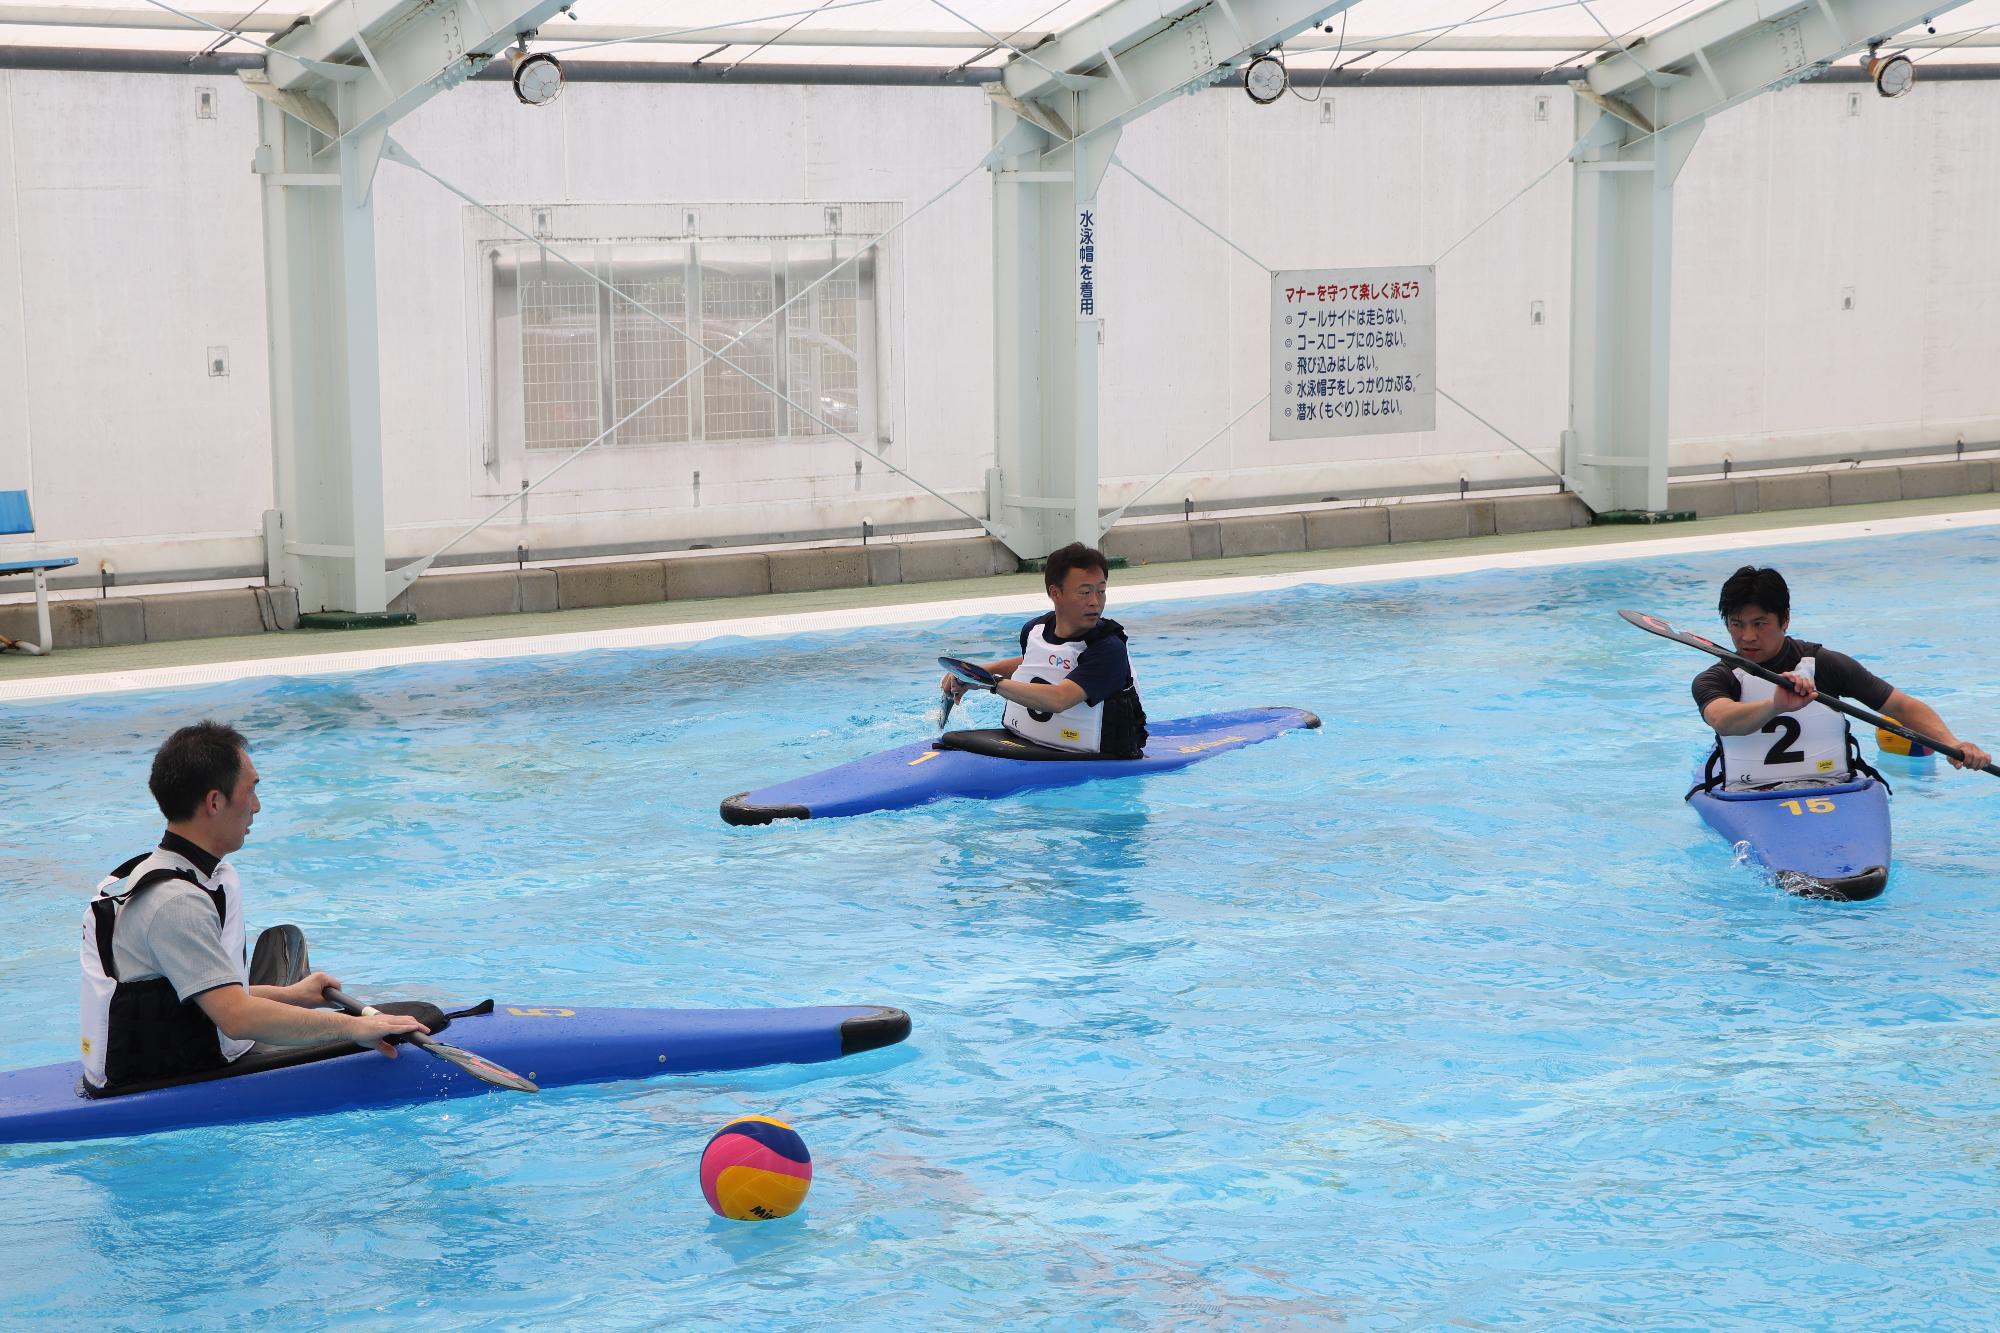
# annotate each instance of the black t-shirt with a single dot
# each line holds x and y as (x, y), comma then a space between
(1834, 673)
(1103, 668)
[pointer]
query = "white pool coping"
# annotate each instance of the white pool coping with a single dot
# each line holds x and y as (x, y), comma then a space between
(918, 613)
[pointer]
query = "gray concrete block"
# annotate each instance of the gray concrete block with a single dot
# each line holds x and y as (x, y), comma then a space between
(285, 605)
(1746, 496)
(812, 571)
(1479, 518)
(1204, 539)
(628, 583)
(459, 596)
(1926, 481)
(540, 590)
(1330, 529)
(18, 622)
(1150, 543)
(885, 565)
(1262, 534)
(717, 576)
(123, 619)
(71, 624)
(1982, 475)
(1539, 513)
(1708, 499)
(960, 558)
(1805, 490)
(1865, 485)
(1430, 521)
(202, 615)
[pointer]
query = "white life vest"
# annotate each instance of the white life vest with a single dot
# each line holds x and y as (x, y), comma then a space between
(139, 1030)
(1809, 745)
(1080, 728)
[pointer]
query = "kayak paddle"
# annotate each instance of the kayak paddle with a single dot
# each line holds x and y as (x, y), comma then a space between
(476, 1065)
(971, 673)
(1655, 625)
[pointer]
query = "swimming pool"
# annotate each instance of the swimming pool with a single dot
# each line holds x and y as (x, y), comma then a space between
(1449, 1014)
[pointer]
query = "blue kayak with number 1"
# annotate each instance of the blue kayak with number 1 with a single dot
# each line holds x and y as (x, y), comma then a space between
(988, 763)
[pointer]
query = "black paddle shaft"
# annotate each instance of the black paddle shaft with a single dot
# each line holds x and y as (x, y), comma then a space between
(1655, 625)
(476, 1065)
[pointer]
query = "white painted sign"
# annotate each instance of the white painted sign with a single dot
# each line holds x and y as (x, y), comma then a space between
(1088, 247)
(1353, 351)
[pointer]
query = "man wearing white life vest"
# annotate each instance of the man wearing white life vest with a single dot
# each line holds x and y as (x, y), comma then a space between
(167, 992)
(1072, 686)
(1769, 735)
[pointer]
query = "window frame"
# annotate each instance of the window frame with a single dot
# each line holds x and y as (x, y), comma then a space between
(611, 241)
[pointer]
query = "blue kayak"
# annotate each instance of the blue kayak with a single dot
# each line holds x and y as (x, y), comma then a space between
(551, 1044)
(989, 763)
(1820, 842)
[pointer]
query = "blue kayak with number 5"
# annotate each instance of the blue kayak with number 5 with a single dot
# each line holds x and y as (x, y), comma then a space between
(1820, 842)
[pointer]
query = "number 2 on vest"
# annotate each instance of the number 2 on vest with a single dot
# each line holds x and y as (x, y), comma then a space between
(1787, 731)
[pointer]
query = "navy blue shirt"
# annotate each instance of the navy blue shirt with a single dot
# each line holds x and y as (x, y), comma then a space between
(1103, 668)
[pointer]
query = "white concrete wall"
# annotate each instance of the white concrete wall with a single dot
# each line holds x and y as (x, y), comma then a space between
(135, 234)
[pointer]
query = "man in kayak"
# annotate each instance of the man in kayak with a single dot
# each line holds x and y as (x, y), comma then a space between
(1072, 687)
(166, 992)
(1769, 735)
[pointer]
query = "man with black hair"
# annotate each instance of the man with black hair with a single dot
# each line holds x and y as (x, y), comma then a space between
(1072, 687)
(166, 989)
(1767, 735)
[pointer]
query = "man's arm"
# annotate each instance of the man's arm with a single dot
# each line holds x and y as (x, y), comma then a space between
(1917, 715)
(1042, 698)
(246, 1017)
(956, 688)
(1733, 717)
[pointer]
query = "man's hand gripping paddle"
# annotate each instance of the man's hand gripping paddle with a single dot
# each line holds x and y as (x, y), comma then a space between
(974, 675)
(1655, 625)
(476, 1065)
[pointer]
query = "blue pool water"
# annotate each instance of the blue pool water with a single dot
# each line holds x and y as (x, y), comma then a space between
(1449, 1015)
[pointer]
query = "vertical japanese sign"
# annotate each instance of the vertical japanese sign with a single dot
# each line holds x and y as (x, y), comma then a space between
(1353, 351)
(1088, 306)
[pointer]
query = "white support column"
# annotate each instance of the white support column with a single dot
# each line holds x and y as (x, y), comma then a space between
(1058, 111)
(329, 94)
(1043, 490)
(1621, 295)
(326, 415)
(1639, 112)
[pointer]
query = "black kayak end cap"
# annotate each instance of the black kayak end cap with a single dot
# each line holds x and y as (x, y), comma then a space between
(869, 1032)
(1846, 889)
(737, 811)
(1311, 719)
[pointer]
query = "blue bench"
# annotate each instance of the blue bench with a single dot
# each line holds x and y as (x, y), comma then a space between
(15, 518)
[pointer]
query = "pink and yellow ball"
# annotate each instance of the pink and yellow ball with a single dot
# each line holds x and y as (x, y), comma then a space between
(755, 1169)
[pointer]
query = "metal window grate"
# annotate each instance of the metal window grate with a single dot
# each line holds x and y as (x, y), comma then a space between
(733, 297)
(588, 357)
(559, 360)
(647, 356)
(822, 346)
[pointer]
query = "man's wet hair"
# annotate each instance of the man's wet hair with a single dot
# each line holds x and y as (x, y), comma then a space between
(1074, 556)
(193, 762)
(1751, 586)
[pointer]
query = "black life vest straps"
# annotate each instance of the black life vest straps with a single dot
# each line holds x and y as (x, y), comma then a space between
(105, 907)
